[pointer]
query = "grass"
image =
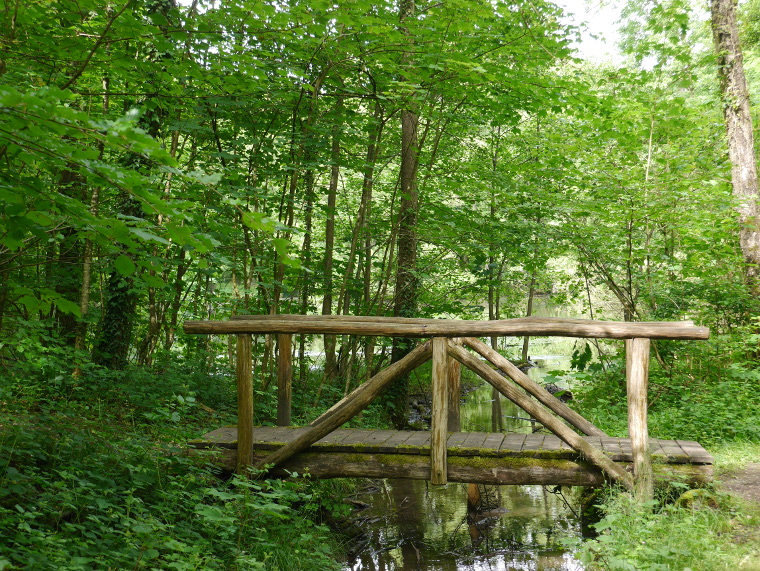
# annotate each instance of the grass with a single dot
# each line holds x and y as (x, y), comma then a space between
(713, 532)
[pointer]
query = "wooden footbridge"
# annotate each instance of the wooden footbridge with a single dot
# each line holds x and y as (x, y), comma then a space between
(576, 453)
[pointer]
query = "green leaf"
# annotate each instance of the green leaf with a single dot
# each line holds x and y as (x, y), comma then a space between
(153, 281)
(67, 306)
(124, 265)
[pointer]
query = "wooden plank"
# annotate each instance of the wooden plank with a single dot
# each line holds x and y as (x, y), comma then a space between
(353, 440)
(223, 437)
(493, 442)
(473, 444)
(419, 440)
(334, 439)
(532, 326)
(673, 452)
(380, 437)
(533, 442)
(513, 442)
(552, 442)
(397, 442)
(613, 448)
(456, 439)
(697, 454)
(269, 438)
(656, 449)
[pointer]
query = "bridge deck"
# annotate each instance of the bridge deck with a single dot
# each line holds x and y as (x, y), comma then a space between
(510, 458)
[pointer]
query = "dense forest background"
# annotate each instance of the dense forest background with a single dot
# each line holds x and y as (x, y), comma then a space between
(163, 162)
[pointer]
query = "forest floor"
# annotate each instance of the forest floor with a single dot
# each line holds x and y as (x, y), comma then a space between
(744, 483)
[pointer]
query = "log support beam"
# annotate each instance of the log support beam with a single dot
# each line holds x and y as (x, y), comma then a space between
(440, 412)
(637, 380)
(244, 369)
(284, 378)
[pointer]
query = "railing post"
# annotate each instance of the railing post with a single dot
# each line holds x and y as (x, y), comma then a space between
(284, 378)
(244, 366)
(439, 417)
(637, 380)
(454, 378)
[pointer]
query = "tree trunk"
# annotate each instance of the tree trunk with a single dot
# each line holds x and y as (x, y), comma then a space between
(407, 282)
(741, 145)
(327, 298)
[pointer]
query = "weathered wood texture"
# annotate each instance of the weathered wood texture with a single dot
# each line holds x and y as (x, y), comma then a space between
(544, 396)
(439, 413)
(244, 367)
(637, 380)
(284, 378)
(551, 422)
(401, 327)
(475, 457)
(455, 394)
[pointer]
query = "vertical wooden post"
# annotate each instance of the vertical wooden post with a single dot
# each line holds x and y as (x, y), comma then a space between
(284, 378)
(454, 377)
(637, 379)
(244, 367)
(439, 420)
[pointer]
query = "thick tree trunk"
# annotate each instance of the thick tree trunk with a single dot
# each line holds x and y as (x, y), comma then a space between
(119, 312)
(407, 282)
(741, 145)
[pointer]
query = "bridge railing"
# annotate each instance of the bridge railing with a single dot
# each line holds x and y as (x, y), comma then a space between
(446, 348)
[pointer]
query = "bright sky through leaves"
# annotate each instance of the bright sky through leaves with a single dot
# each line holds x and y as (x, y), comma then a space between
(598, 20)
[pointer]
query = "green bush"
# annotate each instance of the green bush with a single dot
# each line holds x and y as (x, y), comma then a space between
(650, 537)
(705, 391)
(76, 496)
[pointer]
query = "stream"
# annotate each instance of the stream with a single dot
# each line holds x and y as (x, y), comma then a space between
(412, 526)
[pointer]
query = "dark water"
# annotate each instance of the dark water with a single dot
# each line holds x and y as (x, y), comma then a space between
(412, 526)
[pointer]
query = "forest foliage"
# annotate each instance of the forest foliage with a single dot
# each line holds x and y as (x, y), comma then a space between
(162, 162)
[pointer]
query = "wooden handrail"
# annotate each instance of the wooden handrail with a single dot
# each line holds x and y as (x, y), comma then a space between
(401, 327)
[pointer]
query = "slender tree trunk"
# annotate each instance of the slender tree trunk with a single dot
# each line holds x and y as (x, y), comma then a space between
(327, 265)
(528, 313)
(741, 145)
(494, 290)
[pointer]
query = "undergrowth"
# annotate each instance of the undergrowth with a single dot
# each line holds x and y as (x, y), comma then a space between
(705, 391)
(94, 475)
(706, 534)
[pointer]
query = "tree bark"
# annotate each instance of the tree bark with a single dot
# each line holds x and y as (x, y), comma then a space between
(327, 265)
(407, 281)
(741, 145)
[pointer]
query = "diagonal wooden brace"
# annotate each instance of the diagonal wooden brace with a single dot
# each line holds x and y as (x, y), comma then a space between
(350, 406)
(576, 442)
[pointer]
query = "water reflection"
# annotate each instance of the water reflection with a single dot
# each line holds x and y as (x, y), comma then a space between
(412, 526)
